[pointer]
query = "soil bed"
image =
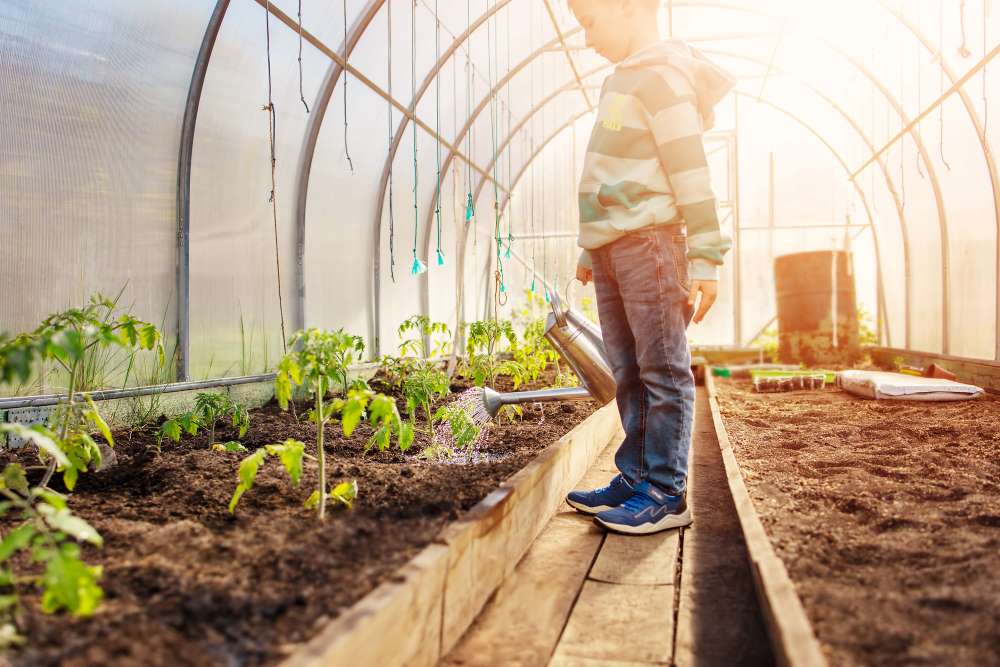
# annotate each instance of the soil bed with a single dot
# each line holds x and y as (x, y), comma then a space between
(186, 583)
(886, 514)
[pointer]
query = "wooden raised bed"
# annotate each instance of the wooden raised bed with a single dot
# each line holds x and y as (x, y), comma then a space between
(792, 636)
(418, 618)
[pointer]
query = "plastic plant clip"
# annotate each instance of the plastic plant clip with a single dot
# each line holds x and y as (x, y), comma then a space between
(547, 298)
(507, 253)
(469, 209)
(418, 266)
(503, 287)
(532, 284)
(440, 256)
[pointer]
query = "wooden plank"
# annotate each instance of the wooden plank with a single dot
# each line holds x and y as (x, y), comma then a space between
(488, 547)
(791, 633)
(719, 621)
(647, 559)
(408, 612)
(567, 661)
(522, 623)
(620, 622)
(415, 621)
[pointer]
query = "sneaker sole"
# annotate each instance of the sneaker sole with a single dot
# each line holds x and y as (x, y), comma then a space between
(585, 509)
(666, 523)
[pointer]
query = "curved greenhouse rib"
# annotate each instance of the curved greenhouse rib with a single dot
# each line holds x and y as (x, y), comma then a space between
(391, 157)
(501, 147)
(915, 135)
(890, 182)
(183, 349)
(977, 123)
(315, 123)
(797, 119)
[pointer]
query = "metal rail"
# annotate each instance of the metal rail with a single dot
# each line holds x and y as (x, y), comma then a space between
(183, 262)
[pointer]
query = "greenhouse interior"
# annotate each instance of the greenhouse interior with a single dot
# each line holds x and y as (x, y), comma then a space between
(500, 332)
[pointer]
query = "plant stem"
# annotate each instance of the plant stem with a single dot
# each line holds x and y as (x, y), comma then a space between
(320, 454)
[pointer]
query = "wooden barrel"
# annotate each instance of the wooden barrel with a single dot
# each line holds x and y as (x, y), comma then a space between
(817, 307)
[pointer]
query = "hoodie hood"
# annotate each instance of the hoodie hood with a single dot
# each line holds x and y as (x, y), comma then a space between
(711, 83)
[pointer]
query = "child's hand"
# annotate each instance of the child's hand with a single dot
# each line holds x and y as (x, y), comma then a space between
(584, 275)
(709, 290)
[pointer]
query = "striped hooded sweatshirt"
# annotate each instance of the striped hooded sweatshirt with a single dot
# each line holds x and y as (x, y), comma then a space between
(646, 162)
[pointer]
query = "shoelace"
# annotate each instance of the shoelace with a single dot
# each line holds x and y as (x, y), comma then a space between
(616, 481)
(638, 501)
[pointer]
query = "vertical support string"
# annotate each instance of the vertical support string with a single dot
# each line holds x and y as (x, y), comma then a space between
(437, 128)
(302, 95)
(347, 149)
(418, 266)
(392, 217)
(272, 131)
(510, 233)
(941, 85)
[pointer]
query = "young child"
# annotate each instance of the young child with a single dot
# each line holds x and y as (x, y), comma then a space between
(645, 180)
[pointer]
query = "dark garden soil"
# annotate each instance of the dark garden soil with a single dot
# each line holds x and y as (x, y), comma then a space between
(186, 583)
(887, 515)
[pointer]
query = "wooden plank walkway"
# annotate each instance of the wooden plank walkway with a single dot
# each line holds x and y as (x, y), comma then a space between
(583, 597)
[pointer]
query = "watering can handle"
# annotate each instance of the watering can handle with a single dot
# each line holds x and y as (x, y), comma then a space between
(557, 310)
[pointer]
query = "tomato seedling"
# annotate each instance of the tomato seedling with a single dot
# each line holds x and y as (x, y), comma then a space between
(209, 408)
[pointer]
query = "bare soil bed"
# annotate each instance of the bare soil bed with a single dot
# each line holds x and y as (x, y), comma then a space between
(186, 583)
(887, 515)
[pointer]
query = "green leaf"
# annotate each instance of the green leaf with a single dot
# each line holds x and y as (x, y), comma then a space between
(283, 389)
(290, 453)
(405, 436)
(7, 601)
(351, 415)
(14, 478)
(237, 494)
(51, 497)
(95, 418)
(249, 467)
(345, 492)
(39, 436)
(148, 337)
(64, 520)
(171, 429)
(70, 583)
(312, 501)
(17, 539)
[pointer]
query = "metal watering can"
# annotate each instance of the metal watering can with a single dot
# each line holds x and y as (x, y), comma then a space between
(578, 342)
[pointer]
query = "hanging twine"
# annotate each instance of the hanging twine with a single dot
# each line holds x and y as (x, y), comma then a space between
(392, 222)
(347, 149)
(302, 95)
(418, 265)
(272, 131)
(437, 112)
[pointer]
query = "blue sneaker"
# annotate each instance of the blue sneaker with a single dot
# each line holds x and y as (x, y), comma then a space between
(601, 500)
(649, 510)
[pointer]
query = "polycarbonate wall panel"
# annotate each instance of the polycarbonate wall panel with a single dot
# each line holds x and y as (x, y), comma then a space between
(93, 95)
(235, 319)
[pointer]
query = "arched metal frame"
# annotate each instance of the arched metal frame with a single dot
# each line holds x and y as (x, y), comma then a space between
(839, 158)
(339, 64)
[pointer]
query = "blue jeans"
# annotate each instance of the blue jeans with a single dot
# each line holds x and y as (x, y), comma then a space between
(642, 289)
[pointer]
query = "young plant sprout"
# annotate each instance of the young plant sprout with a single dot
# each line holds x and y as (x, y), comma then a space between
(464, 430)
(436, 334)
(209, 408)
(68, 339)
(484, 365)
(50, 531)
(316, 362)
(422, 389)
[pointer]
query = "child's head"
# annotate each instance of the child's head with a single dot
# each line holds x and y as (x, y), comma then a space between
(611, 25)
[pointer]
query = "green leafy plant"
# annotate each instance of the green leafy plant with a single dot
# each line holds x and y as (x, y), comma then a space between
(483, 346)
(534, 353)
(209, 408)
(318, 359)
(464, 430)
(423, 388)
(50, 532)
(433, 339)
(67, 338)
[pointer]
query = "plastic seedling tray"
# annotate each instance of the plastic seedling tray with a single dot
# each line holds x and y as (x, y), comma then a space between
(830, 376)
(781, 383)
